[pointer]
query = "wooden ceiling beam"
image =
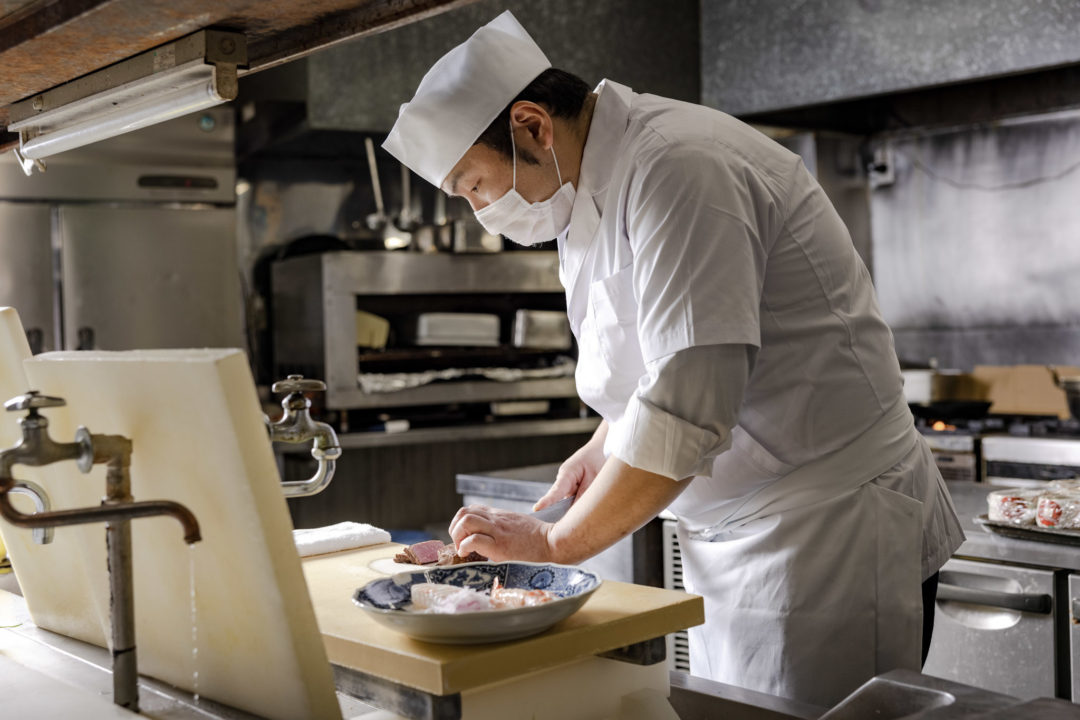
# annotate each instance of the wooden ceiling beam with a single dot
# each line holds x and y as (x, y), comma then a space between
(50, 42)
(370, 18)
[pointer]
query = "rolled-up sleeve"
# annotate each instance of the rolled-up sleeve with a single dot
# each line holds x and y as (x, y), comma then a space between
(683, 412)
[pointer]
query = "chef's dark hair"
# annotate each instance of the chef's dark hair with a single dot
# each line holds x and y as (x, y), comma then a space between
(561, 93)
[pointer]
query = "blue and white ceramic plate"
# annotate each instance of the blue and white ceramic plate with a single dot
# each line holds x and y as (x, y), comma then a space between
(387, 600)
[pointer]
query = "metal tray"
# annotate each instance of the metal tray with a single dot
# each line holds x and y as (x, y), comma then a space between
(1050, 535)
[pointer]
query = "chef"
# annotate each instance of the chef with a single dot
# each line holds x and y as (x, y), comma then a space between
(730, 338)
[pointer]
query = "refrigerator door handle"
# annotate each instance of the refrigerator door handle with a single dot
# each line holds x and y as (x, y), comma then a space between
(1040, 603)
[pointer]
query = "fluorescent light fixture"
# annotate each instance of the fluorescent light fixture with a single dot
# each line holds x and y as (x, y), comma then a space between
(191, 74)
(71, 127)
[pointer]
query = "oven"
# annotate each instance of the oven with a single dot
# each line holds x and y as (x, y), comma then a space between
(432, 339)
(956, 453)
(1025, 461)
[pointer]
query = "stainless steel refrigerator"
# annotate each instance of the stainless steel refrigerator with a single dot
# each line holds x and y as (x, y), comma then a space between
(129, 243)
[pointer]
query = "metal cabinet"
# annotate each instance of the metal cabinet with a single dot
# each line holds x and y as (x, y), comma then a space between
(995, 629)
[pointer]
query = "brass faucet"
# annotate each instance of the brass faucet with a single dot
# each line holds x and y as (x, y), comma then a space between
(117, 509)
(296, 426)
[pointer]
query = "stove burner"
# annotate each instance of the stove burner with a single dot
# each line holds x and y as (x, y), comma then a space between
(1018, 425)
(1046, 428)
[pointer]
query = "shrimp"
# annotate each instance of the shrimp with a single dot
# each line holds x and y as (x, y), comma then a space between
(503, 597)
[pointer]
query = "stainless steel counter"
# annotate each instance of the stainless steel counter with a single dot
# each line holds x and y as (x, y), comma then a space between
(970, 501)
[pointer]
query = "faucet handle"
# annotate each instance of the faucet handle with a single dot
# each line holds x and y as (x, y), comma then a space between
(297, 383)
(33, 400)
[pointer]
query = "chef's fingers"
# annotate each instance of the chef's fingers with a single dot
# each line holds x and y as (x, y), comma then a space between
(483, 510)
(474, 519)
(566, 484)
(457, 517)
(480, 543)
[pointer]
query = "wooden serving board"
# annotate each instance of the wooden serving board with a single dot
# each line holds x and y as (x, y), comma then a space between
(618, 614)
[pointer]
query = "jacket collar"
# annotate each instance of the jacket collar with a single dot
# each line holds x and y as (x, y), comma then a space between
(606, 130)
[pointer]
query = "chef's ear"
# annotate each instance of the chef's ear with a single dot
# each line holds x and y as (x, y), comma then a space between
(536, 120)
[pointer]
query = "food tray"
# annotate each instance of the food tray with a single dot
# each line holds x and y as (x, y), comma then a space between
(1038, 534)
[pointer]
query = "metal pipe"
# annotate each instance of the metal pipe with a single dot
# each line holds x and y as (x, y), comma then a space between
(117, 510)
(146, 508)
(122, 615)
(41, 535)
(115, 450)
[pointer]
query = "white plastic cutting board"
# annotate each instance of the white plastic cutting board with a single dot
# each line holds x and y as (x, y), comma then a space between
(198, 436)
(65, 612)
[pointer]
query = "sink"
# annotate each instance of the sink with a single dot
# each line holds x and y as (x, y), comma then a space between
(908, 695)
(888, 699)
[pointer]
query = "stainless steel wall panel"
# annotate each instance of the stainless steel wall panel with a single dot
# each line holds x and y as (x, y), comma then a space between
(975, 241)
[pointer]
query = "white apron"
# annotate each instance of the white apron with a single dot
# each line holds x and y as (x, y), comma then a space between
(811, 582)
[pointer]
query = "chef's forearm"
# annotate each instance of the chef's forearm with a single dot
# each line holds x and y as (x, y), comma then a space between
(620, 500)
(600, 434)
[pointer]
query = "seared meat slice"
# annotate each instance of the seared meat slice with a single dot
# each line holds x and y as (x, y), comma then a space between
(425, 553)
(434, 552)
(448, 556)
(422, 553)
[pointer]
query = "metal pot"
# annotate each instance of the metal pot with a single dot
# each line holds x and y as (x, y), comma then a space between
(924, 386)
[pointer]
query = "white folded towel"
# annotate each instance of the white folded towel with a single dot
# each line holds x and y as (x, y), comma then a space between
(343, 536)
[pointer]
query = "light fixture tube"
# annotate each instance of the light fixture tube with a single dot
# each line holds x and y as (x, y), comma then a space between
(152, 110)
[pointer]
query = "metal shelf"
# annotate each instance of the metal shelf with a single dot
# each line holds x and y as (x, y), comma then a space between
(509, 429)
(397, 273)
(468, 391)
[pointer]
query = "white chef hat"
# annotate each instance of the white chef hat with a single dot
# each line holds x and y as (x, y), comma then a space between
(462, 94)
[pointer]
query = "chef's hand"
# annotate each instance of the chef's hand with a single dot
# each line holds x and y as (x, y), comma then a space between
(500, 534)
(578, 471)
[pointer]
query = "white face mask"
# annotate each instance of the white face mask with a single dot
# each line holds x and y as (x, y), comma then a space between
(529, 223)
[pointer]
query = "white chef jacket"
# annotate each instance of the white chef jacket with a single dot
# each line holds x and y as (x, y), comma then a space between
(696, 243)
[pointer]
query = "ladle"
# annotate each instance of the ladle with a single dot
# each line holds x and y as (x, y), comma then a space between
(393, 237)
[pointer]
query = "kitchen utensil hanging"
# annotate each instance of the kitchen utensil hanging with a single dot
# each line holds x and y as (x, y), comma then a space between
(393, 237)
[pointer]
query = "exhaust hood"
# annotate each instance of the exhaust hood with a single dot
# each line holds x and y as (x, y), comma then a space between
(864, 66)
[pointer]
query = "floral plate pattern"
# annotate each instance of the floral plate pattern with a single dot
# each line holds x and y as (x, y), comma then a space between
(387, 601)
